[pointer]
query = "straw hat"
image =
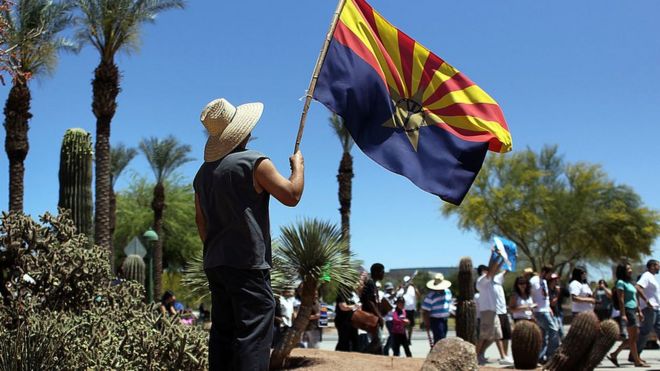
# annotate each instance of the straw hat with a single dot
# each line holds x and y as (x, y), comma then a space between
(438, 283)
(228, 126)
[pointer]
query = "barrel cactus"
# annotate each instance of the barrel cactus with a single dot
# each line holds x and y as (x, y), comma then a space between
(466, 308)
(608, 334)
(133, 268)
(75, 177)
(526, 342)
(578, 342)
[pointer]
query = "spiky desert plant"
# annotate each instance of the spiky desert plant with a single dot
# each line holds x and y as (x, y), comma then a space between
(31, 29)
(111, 26)
(133, 268)
(75, 177)
(194, 278)
(526, 342)
(608, 335)
(311, 249)
(576, 344)
(466, 308)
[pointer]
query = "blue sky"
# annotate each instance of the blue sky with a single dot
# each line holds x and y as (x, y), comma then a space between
(583, 75)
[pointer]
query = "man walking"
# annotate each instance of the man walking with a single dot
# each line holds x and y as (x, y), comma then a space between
(543, 313)
(371, 304)
(232, 193)
(648, 284)
(435, 307)
(490, 329)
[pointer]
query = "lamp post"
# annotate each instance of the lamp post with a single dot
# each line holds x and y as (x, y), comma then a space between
(150, 236)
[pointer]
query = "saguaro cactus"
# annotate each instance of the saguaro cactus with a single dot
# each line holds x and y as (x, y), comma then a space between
(76, 178)
(133, 268)
(526, 342)
(466, 309)
(608, 334)
(577, 344)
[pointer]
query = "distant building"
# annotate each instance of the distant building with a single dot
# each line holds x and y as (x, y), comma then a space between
(397, 274)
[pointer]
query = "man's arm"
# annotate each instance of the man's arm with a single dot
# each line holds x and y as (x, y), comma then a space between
(287, 191)
(199, 219)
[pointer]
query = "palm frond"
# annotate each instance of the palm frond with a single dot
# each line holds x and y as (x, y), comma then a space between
(33, 28)
(111, 26)
(313, 249)
(337, 124)
(120, 156)
(165, 156)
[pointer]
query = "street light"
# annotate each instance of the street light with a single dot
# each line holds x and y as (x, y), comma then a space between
(150, 236)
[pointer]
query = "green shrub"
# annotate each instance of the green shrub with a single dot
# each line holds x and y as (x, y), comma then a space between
(63, 311)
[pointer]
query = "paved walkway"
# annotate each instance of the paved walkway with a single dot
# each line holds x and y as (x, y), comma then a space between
(420, 348)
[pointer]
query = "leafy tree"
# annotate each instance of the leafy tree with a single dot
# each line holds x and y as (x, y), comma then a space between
(309, 250)
(135, 215)
(557, 212)
(30, 45)
(111, 26)
(344, 176)
(120, 156)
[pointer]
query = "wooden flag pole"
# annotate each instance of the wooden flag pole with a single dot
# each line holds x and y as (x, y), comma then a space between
(315, 74)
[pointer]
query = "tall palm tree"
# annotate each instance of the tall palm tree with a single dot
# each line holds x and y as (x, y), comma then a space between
(32, 32)
(310, 249)
(164, 156)
(344, 176)
(111, 26)
(120, 156)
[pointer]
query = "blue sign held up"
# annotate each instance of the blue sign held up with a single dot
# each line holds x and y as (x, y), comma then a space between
(506, 251)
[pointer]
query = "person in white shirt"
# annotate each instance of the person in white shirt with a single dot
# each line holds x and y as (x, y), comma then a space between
(521, 303)
(581, 296)
(501, 311)
(543, 313)
(490, 329)
(287, 301)
(651, 307)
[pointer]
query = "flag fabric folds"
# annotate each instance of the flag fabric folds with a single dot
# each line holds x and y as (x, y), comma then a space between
(405, 107)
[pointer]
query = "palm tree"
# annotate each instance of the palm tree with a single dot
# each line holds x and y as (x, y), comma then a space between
(111, 26)
(120, 156)
(344, 176)
(311, 249)
(164, 156)
(31, 31)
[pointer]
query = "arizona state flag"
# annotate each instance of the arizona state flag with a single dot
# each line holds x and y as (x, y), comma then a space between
(405, 107)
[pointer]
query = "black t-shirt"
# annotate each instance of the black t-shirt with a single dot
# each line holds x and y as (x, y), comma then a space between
(340, 315)
(370, 294)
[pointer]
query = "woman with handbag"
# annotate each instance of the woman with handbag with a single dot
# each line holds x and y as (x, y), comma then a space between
(346, 333)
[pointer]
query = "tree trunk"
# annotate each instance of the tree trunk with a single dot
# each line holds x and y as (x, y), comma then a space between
(17, 115)
(345, 180)
(293, 334)
(158, 206)
(106, 88)
(112, 222)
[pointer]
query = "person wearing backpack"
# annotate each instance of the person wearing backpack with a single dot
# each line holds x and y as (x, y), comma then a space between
(625, 297)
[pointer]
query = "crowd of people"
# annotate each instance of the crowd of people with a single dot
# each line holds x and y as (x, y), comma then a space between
(537, 297)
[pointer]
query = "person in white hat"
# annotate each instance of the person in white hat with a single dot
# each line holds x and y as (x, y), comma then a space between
(410, 293)
(436, 306)
(232, 192)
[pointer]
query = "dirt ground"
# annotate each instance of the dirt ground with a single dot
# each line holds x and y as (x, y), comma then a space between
(323, 360)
